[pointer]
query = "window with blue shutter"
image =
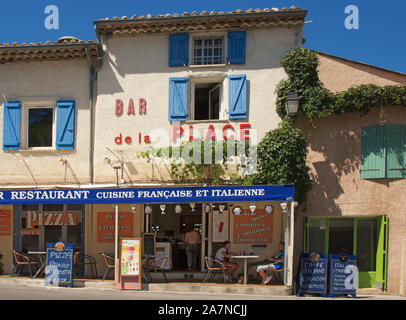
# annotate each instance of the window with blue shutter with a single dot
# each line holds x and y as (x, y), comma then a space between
(237, 100)
(178, 50)
(11, 125)
(178, 99)
(383, 152)
(65, 125)
(236, 47)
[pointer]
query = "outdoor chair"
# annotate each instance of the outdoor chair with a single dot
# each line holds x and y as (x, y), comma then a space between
(88, 260)
(155, 265)
(23, 260)
(276, 274)
(109, 260)
(212, 269)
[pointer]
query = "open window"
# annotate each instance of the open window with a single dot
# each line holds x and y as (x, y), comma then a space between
(207, 101)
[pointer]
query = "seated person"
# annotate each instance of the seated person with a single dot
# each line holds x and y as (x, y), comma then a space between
(224, 255)
(277, 264)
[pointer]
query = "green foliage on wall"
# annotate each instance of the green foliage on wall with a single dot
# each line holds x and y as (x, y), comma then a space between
(317, 102)
(282, 159)
(208, 162)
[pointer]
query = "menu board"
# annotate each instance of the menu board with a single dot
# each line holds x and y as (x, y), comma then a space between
(59, 259)
(5, 222)
(148, 244)
(253, 229)
(106, 225)
(130, 257)
(343, 274)
(313, 273)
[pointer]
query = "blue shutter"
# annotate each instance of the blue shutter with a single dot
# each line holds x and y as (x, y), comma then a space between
(178, 99)
(237, 99)
(178, 50)
(11, 125)
(236, 47)
(65, 125)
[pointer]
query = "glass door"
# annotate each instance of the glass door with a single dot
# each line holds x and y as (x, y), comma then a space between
(316, 235)
(366, 250)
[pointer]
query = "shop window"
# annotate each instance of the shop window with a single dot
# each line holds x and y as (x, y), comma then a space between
(52, 207)
(383, 152)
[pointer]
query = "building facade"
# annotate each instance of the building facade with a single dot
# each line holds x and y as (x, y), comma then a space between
(356, 162)
(161, 81)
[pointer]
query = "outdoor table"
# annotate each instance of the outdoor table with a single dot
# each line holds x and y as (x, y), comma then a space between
(42, 258)
(246, 257)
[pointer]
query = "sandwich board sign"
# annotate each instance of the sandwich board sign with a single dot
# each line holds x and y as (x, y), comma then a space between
(313, 274)
(343, 274)
(59, 260)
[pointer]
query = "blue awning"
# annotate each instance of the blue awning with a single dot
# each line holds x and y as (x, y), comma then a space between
(150, 195)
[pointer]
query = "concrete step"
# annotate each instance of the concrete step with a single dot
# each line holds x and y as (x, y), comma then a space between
(258, 289)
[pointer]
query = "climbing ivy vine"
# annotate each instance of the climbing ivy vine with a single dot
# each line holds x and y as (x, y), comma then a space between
(316, 101)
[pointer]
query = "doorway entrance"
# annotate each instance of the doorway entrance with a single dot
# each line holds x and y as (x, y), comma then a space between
(169, 223)
(364, 237)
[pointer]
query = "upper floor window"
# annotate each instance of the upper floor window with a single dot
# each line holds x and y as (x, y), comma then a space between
(383, 152)
(208, 51)
(216, 48)
(205, 98)
(39, 125)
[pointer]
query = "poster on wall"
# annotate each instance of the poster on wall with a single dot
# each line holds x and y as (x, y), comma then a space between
(220, 226)
(253, 228)
(130, 257)
(5, 222)
(106, 225)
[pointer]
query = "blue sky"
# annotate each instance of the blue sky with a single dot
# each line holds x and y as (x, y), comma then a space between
(379, 41)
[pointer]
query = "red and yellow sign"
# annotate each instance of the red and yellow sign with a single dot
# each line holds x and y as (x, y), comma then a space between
(253, 229)
(5, 222)
(106, 225)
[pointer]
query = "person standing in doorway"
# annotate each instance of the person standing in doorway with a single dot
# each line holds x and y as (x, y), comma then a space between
(192, 239)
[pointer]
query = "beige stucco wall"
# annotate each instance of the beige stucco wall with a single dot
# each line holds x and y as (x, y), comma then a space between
(339, 74)
(335, 160)
(47, 80)
(137, 67)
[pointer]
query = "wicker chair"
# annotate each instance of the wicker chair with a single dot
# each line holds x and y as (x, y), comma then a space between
(22, 260)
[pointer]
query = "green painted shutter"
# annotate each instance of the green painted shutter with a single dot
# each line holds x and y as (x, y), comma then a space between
(373, 152)
(382, 252)
(395, 151)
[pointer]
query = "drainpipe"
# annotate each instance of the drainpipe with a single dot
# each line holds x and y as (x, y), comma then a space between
(93, 70)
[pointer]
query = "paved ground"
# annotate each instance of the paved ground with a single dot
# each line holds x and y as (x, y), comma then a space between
(23, 292)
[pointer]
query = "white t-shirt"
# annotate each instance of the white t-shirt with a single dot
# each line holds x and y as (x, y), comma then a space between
(219, 254)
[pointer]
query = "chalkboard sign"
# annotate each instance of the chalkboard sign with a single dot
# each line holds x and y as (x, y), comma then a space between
(313, 274)
(343, 274)
(148, 242)
(58, 270)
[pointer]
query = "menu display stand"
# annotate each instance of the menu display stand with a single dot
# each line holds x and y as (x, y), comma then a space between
(130, 264)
